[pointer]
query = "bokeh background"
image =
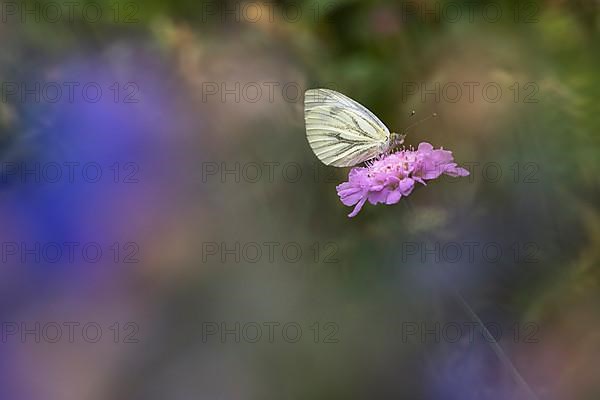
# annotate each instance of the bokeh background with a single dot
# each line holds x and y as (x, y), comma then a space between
(180, 140)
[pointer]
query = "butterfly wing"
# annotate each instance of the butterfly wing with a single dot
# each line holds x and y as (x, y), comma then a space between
(340, 131)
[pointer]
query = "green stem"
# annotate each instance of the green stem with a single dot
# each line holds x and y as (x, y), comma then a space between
(493, 343)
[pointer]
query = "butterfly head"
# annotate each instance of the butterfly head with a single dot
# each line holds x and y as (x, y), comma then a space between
(396, 140)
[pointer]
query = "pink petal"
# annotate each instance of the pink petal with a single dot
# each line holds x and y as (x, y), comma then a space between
(352, 199)
(358, 207)
(393, 197)
(378, 197)
(425, 147)
(457, 171)
(406, 186)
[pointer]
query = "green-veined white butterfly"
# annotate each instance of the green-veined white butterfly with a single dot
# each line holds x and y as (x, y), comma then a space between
(342, 132)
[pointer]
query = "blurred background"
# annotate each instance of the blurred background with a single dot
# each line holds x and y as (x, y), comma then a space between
(168, 233)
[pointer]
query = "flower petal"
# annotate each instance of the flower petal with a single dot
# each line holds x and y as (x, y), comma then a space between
(378, 197)
(406, 186)
(393, 197)
(457, 171)
(358, 207)
(424, 147)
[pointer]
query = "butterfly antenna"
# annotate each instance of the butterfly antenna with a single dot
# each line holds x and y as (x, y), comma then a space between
(434, 115)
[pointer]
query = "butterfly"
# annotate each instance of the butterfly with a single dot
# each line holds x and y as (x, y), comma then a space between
(342, 132)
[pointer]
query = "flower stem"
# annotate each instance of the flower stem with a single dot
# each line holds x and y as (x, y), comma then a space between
(493, 343)
(489, 338)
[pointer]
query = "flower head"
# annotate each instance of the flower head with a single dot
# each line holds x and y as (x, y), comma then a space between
(389, 178)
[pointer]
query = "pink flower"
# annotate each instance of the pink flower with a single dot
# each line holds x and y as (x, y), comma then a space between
(389, 178)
